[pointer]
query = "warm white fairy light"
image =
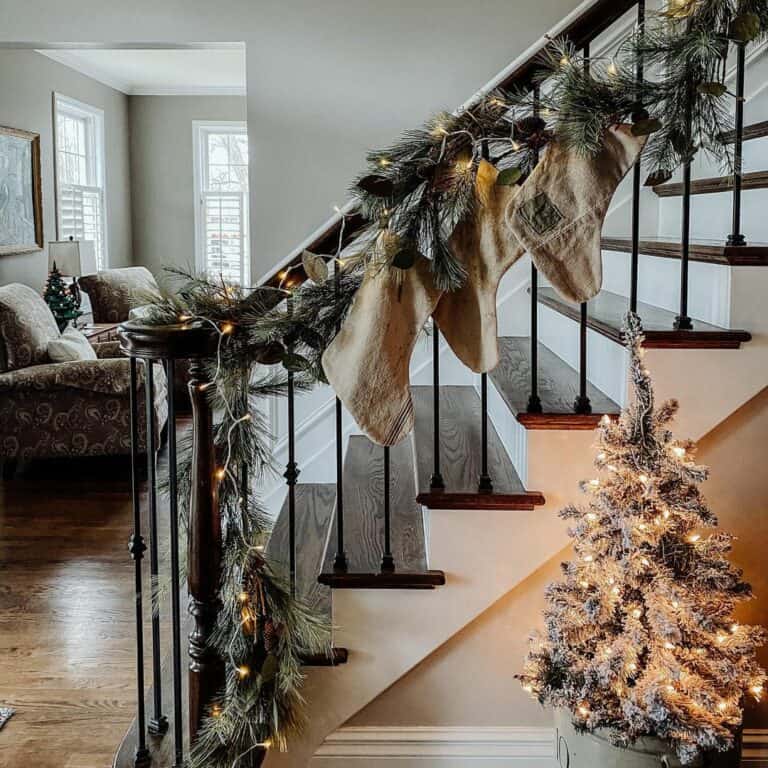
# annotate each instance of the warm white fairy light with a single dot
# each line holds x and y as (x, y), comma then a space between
(679, 451)
(243, 671)
(694, 537)
(588, 558)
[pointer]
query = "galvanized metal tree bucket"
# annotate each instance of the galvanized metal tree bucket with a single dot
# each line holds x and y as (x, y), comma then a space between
(594, 750)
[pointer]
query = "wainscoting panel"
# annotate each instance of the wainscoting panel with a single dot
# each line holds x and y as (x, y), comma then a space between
(454, 747)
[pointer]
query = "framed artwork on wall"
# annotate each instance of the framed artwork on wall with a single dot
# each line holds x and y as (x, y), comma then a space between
(21, 207)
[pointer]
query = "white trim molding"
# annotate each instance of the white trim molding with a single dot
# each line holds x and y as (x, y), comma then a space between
(446, 747)
(458, 745)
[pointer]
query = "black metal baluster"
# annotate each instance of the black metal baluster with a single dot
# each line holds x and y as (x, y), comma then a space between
(485, 484)
(636, 184)
(137, 547)
(159, 722)
(387, 561)
(581, 404)
(291, 471)
(736, 237)
(534, 401)
(173, 501)
(340, 560)
(436, 483)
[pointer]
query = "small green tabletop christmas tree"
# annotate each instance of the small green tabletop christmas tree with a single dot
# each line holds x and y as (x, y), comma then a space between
(59, 298)
(640, 635)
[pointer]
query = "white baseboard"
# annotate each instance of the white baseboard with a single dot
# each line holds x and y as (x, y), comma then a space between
(455, 747)
(448, 747)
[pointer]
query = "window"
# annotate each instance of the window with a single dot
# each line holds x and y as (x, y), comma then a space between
(80, 189)
(221, 201)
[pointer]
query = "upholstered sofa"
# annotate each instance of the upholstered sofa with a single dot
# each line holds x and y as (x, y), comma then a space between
(62, 409)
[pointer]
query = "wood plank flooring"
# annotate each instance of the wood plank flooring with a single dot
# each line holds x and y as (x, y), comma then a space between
(67, 660)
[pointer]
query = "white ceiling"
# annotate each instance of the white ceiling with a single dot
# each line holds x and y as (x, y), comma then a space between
(147, 72)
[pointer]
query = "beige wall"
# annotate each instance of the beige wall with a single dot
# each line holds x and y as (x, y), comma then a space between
(469, 681)
(27, 82)
(162, 173)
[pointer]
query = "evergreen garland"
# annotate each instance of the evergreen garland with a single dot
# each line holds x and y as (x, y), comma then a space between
(418, 189)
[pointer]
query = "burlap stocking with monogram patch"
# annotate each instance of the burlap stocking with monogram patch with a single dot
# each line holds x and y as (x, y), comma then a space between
(560, 210)
(486, 248)
(367, 364)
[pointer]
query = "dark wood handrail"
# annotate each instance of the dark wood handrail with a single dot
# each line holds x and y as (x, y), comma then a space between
(581, 31)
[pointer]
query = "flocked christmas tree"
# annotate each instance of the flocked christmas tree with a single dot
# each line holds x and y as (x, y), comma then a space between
(640, 634)
(59, 298)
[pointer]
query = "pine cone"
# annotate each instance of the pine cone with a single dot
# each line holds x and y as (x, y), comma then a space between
(270, 635)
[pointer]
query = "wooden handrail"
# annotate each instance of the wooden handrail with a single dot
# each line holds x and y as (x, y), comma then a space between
(581, 31)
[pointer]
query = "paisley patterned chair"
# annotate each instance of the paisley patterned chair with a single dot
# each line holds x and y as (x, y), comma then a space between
(114, 293)
(61, 409)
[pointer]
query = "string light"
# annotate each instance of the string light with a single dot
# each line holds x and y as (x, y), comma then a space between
(605, 420)
(757, 691)
(669, 646)
(243, 671)
(588, 558)
(679, 451)
(613, 70)
(215, 711)
(227, 328)
(734, 628)
(584, 584)
(243, 597)
(594, 482)
(601, 456)
(221, 473)
(722, 706)
(643, 479)
(694, 537)
(591, 516)
(184, 318)
(384, 162)
(565, 62)
(584, 711)
(637, 613)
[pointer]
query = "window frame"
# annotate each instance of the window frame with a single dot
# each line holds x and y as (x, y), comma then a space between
(95, 158)
(201, 129)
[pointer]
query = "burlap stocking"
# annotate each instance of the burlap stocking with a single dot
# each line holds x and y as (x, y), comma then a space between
(560, 210)
(487, 249)
(367, 363)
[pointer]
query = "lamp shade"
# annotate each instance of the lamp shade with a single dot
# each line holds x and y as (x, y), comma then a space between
(72, 257)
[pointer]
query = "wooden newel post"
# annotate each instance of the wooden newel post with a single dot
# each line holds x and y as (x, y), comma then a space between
(206, 670)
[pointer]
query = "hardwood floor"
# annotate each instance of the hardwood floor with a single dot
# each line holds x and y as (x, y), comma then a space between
(66, 612)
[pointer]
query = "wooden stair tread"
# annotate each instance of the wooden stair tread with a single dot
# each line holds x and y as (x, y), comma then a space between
(377, 580)
(752, 255)
(460, 455)
(754, 131)
(364, 511)
(315, 505)
(337, 656)
(606, 314)
(558, 388)
(754, 180)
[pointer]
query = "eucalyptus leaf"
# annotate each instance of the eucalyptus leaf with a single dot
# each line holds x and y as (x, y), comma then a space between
(712, 89)
(509, 177)
(269, 354)
(294, 363)
(378, 186)
(646, 127)
(315, 266)
(657, 178)
(744, 28)
(405, 258)
(269, 668)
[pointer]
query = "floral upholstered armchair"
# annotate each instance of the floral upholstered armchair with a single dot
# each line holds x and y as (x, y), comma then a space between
(62, 409)
(115, 293)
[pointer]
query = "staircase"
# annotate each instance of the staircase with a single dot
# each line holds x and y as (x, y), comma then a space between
(486, 543)
(428, 545)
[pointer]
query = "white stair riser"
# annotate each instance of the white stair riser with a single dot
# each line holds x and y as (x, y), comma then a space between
(709, 285)
(606, 360)
(711, 216)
